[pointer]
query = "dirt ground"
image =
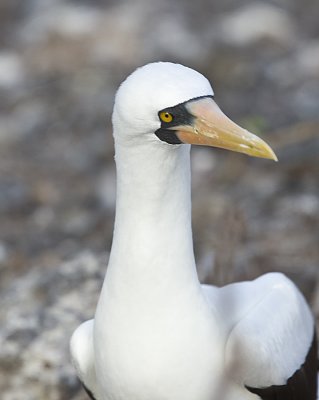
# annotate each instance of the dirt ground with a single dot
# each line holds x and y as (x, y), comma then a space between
(60, 64)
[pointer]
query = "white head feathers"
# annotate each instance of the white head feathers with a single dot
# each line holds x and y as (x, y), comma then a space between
(151, 88)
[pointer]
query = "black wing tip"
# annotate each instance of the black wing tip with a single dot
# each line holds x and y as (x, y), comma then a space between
(88, 391)
(302, 385)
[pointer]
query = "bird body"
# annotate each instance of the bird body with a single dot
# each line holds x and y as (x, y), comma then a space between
(158, 333)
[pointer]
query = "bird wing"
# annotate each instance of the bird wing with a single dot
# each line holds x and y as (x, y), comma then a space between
(271, 347)
(82, 354)
(88, 391)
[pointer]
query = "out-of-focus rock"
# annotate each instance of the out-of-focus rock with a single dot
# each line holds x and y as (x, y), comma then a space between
(106, 189)
(300, 66)
(14, 196)
(203, 160)
(77, 222)
(58, 18)
(255, 22)
(174, 38)
(12, 72)
(3, 253)
(74, 20)
(39, 313)
(23, 121)
(307, 59)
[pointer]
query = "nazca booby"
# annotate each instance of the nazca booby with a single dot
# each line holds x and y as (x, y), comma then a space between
(158, 334)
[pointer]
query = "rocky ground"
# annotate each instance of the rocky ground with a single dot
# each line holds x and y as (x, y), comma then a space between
(60, 64)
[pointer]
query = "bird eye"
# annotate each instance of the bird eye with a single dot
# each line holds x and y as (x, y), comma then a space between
(166, 116)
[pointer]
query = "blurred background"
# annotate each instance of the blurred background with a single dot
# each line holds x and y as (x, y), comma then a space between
(60, 65)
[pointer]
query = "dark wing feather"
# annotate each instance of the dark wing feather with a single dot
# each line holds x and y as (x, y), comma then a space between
(88, 391)
(302, 385)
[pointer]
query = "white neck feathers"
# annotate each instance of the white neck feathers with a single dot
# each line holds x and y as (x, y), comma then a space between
(153, 216)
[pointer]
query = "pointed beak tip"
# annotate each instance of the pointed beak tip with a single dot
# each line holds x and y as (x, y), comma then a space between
(271, 154)
(260, 148)
(273, 157)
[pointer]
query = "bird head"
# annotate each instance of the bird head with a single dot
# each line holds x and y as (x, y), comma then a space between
(173, 105)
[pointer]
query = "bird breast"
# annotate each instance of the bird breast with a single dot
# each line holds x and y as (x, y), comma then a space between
(152, 355)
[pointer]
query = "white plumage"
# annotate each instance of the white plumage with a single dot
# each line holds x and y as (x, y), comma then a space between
(158, 333)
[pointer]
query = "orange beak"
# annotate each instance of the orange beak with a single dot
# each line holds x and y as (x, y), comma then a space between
(211, 127)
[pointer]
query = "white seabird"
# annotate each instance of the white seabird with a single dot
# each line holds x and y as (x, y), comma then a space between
(158, 334)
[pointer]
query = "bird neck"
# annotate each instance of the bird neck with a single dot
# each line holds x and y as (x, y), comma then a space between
(152, 239)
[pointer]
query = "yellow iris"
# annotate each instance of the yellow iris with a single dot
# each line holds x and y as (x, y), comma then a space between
(166, 116)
